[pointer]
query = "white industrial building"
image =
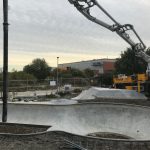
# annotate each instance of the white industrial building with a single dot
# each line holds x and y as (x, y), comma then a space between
(100, 66)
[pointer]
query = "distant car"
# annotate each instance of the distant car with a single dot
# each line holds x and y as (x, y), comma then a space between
(67, 87)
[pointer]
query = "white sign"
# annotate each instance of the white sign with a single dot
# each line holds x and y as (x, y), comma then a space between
(52, 83)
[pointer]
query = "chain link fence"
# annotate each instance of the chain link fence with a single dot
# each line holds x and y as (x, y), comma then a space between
(33, 85)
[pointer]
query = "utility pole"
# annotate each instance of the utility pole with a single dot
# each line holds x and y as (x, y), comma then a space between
(5, 60)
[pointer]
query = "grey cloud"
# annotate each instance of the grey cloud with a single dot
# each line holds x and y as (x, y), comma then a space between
(55, 25)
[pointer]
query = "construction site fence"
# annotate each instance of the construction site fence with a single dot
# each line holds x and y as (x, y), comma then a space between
(29, 85)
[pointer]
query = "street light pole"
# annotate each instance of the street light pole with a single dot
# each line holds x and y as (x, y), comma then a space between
(1, 73)
(57, 74)
(5, 60)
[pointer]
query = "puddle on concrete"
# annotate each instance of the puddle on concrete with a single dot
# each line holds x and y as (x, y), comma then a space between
(109, 135)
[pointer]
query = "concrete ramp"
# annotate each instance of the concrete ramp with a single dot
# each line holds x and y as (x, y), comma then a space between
(98, 92)
(84, 119)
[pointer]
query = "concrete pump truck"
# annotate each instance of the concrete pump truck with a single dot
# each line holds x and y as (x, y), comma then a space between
(142, 81)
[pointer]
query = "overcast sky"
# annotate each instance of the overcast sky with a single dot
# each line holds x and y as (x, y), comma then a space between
(51, 28)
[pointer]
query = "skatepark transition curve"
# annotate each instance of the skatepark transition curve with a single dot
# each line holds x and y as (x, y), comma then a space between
(130, 121)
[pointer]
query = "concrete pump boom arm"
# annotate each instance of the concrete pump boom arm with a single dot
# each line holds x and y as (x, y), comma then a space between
(84, 7)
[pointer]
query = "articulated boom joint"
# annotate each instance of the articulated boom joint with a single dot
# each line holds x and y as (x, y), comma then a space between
(138, 48)
(126, 27)
(82, 4)
(78, 1)
(121, 28)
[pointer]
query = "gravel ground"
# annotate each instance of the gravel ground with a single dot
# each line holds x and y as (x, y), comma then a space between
(58, 140)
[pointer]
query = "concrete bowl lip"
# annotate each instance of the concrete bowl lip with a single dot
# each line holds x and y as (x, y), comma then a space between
(85, 103)
(90, 137)
(28, 134)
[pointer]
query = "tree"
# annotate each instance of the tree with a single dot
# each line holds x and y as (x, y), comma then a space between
(20, 75)
(88, 73)
(106, 79)
(130, 64)
(76, 73)
(68, 73)
(39, 68)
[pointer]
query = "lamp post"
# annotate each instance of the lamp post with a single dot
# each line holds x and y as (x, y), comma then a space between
(57, 74)
(1, 73)
(5, 60)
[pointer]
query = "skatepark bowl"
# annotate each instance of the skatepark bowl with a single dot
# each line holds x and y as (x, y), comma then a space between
(93, 126)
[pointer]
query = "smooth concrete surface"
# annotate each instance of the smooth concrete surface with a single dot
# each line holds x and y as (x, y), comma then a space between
(82, 119)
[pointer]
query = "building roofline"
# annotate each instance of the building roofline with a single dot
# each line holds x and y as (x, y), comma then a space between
(102, 59)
